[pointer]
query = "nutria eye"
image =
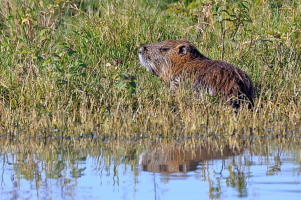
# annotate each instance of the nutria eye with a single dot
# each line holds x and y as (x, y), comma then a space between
(164, 49)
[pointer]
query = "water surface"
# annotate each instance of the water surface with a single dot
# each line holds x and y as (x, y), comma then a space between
(189, 169)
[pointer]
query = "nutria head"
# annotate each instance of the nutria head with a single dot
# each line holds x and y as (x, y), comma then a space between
(163, 57)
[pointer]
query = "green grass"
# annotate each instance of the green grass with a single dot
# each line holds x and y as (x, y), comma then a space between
(72, 66)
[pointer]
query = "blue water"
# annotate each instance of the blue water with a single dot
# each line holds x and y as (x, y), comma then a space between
(275, 175)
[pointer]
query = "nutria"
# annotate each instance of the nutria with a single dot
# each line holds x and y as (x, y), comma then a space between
(176, 60)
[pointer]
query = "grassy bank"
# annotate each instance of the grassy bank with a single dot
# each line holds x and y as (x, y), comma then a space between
(71, 67)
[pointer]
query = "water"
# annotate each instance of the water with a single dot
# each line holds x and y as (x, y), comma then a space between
(142, 170)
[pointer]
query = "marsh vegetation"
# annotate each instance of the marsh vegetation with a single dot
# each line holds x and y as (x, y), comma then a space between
(71, 67)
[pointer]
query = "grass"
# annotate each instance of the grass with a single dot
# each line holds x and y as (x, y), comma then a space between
(71, 67)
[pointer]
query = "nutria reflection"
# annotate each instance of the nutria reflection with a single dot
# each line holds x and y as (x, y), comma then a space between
(180, 158)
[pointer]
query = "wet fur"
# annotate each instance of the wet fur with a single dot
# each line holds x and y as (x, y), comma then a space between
(175, 60)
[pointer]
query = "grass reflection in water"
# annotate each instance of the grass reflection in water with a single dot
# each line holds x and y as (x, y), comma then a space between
(124, 170)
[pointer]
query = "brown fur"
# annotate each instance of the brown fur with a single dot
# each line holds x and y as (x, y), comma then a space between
(175, 60)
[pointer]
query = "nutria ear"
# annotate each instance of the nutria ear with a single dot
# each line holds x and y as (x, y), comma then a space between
(183, 50)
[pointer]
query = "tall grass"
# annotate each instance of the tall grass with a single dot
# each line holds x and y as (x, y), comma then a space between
(71, 67)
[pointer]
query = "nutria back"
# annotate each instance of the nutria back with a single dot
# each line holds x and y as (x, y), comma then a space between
(176, 60)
